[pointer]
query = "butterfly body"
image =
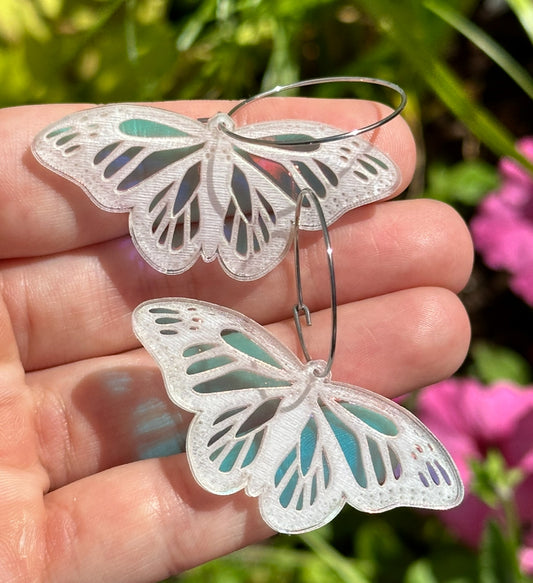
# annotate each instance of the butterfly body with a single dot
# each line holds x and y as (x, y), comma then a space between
(266, 423)
(194, 190)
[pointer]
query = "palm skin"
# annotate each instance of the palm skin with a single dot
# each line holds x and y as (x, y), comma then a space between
(92, 487)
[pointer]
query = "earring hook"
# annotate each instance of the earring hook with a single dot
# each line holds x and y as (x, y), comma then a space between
(320, 81)
(300, 308)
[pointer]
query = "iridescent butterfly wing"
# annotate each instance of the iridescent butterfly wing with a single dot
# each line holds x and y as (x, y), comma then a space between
(344, 174)
(147, 160)
(266, 423)
(266, 179)
(194, 191)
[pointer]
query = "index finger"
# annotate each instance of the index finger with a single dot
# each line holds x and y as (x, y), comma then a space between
(43, 213)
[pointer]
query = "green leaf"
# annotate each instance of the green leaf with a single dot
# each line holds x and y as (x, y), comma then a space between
(493, 363)
(257, 563)
(50, 8)
(420, 572)
(412, 40)
(346, 570)
(315, 570)
(130, 32)
(466, 182)
(20, 17)
(376, 541)
(498, 559)
(282, 68)
(494, 483)
(524, 12)
(196, 24)
(484, 42)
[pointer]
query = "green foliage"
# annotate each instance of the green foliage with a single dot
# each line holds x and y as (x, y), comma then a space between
(420, 572)
(482, 40)
(493, 482)
(131, 50)
(464, 183)
(345, 570)
(113, 50)
(491, 363)
(411, 29)
(524, 12)
(280, 562)
(395, 548)
(498, 558)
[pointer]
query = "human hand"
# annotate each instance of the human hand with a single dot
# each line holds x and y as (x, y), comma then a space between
(83, 410)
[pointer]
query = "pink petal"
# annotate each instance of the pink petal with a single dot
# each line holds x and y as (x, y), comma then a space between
(522, 284)
(471, 419)
(526, 560)
(464, 407)
(503, 226)
(511, 170)
(467, 521)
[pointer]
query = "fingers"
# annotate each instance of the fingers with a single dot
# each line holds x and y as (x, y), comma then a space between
(143, 522)
(110, 411)
(43, 213)
(9, 354)
(83, 300)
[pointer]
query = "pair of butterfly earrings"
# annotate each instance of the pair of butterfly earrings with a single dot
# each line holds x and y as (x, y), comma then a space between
(264, 422)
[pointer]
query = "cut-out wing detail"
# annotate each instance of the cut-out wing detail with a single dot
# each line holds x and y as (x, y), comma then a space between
(168, 227)
(226, 442)
(143, 159)
(389, 455)
(257, 220)
(344, 174)
(305, 487)
(265, 180)
(267, 424)
(115, 153)
(208, 354)
(224, 367)
(354, 447)
(193, 190)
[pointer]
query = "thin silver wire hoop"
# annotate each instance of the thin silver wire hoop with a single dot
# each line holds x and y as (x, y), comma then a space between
(319, 81)
(300, 308)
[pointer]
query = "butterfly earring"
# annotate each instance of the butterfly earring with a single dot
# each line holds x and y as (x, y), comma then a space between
(281, 429)
(209, 189)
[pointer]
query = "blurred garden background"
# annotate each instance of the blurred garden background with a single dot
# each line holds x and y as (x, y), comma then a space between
(467, 67)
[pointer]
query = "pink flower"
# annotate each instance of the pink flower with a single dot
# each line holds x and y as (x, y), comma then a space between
(470, 420)
(503, 227)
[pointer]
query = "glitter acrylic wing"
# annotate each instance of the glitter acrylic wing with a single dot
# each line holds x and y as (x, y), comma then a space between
(266, 179)
(222, 366)
(266, 423)
(140, 159)
(111, 150)
(208, 353)
(349, 445)
(194, 191)
(344, 174)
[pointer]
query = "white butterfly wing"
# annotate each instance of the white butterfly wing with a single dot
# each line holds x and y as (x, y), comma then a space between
(229, 444)
(230, 372)
(264, 422)
(263, 182)
(398, 461)
(192, 190)
(143, 159)
(257, 218)
(344, 174)
(360, 448)
(112, 149)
